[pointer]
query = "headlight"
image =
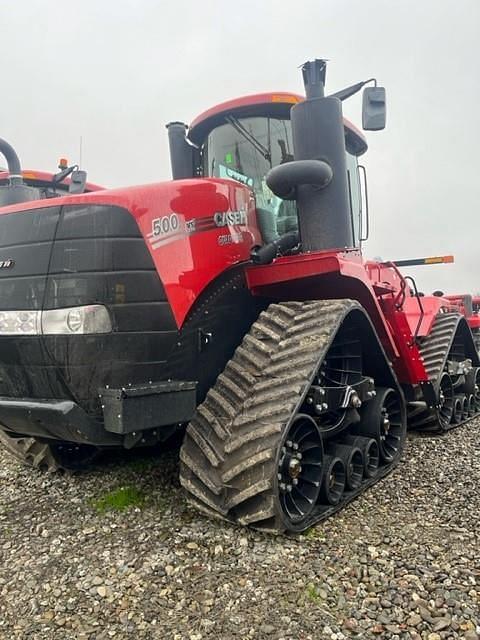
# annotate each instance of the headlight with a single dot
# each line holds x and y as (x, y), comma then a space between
(20, 323)
(92, 318)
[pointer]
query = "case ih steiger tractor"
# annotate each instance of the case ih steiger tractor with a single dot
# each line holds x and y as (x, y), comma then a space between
(470, 307)
(233, 299)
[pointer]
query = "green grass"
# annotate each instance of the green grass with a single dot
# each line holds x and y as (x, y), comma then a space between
(312, 593)
(120, 499)
(314, 533)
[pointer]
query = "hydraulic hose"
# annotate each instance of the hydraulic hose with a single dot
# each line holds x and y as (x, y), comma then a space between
(12, 159)
(268, 253)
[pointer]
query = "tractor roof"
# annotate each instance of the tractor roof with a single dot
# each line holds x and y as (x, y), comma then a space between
(279, 104)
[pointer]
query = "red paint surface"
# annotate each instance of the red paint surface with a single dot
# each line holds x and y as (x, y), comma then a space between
(186, 263)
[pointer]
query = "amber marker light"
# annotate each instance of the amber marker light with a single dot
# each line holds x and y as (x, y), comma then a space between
(285, 98)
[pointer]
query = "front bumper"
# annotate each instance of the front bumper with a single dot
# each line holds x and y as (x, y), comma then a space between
(53, 420)
(129, 413)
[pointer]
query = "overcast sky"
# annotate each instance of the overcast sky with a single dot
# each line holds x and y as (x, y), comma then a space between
(115, 71)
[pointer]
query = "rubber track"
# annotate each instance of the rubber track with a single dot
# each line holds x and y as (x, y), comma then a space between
(31, 452)
(435, 349)
(229, 456)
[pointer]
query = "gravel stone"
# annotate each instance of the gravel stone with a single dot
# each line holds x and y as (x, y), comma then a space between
(441, 624)
(402, 562)
(414, 620)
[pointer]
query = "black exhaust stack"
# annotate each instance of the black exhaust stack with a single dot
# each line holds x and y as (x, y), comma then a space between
(182, 153)
(16, 191)
(317, 178)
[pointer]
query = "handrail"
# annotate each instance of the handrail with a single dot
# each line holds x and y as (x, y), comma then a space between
(401, 293)
(422, 312)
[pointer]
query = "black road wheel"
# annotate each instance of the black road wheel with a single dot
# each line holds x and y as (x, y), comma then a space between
(371, 456)
(445, 401)
(472, 385)
(370, 452)
(457, 410)
(384, 421)
(352, 458)
(464, 408)
(300, 463)
(333, 484)
(471, 405)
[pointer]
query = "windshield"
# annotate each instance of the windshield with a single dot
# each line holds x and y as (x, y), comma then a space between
(245, 149)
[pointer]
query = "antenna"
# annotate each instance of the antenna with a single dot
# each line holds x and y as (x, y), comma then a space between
(80, 152)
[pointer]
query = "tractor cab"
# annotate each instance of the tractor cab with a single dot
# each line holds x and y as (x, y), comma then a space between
(18, 186)
(242, 140)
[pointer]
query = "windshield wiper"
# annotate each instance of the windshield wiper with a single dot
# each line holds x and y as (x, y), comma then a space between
(238, 126)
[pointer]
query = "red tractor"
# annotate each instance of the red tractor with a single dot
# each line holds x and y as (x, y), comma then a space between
(231, 303)
(469, 306)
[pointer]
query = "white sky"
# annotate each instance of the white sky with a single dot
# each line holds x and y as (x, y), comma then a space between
(114, 72)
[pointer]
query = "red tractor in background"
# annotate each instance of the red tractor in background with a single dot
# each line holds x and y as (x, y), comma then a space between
(233, 304)
(469, 306)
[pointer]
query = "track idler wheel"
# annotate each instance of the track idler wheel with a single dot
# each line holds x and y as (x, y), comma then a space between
(382, 420)
(334, 479)
(445, 401)
(370, 453)
(300, 468)
(457, 410)
(352, 458)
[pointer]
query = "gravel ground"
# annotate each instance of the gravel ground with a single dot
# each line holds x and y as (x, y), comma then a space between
(403, 561)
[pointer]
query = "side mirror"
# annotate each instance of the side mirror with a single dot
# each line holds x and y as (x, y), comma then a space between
(78, 181)
(374, 109)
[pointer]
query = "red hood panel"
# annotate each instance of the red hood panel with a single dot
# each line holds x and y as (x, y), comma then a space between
(194, 229)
